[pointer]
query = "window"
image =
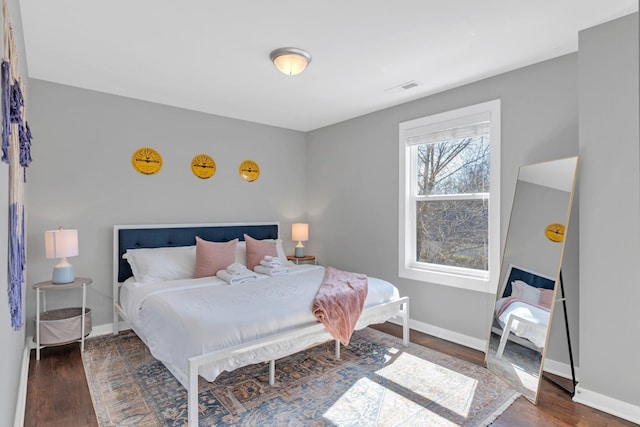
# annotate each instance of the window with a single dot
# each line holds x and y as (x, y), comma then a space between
(450, 198)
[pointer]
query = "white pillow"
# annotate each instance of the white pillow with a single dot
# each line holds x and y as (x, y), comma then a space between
(241, 251)
(159, 264)
(524, 291)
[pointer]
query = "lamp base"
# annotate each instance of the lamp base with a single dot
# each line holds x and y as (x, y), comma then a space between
(63, 275)
(299, 253)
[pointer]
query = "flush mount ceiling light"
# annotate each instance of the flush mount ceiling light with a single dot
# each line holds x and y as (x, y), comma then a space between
(290, 60)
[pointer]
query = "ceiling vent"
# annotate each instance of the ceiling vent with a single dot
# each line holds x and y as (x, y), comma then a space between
(402, 87)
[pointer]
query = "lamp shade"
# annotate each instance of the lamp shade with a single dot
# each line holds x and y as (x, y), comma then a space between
(61, 243)
(300, 232)
(290, 60)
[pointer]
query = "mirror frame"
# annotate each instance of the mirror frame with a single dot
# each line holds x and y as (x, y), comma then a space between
(556, 175)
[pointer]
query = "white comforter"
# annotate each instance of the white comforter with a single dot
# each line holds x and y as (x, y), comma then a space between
(534, 326)
(179, 319)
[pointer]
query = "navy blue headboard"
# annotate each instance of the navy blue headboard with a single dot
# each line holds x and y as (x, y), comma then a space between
(531, 279)
(137, 237)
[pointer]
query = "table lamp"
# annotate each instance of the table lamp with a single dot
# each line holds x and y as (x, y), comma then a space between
(299, 232)
(61, 244)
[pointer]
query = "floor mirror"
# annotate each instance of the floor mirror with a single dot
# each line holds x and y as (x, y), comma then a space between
(530, 274)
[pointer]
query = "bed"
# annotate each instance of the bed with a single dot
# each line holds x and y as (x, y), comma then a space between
(203, 326)
(523, 310)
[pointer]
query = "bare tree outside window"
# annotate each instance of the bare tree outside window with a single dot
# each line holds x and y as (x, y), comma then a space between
(452, 203)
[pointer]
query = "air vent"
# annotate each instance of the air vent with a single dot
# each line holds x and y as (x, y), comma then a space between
(402, 87)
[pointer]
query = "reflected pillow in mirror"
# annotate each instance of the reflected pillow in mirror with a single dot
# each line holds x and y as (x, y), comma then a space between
(524, 291)
(546, 297)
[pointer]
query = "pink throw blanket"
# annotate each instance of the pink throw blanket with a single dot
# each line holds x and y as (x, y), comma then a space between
(339, 302)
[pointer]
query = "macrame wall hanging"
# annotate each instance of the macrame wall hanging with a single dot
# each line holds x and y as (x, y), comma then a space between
(16, 151)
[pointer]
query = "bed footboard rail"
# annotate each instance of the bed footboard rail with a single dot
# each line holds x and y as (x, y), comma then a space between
(118, 313)
(318, 329)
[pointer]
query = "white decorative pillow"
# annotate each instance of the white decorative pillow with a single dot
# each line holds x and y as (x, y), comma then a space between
(524, 291)
(159, 264)
(241, 253)
(280, 250)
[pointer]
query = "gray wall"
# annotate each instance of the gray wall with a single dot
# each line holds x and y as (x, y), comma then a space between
(610, 211)
(81, 177)
(12, 341)
(353, 210)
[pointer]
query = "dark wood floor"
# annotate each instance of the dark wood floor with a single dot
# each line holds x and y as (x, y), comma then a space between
(57, 391)
(58, 395)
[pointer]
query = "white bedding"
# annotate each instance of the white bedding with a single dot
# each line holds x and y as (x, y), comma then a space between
(534, 328)
(179, 319)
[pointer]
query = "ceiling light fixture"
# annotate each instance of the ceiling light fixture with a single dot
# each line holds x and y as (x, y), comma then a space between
(290, 60)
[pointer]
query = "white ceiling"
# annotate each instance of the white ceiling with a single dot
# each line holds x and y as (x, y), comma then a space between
(213, 56)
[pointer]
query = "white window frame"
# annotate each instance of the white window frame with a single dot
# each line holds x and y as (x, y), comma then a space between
(408, 266)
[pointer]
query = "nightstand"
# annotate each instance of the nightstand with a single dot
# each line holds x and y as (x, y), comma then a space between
(305, 259)
(65, 322)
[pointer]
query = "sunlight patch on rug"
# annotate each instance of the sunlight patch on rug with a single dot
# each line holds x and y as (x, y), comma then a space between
(369, 403)
(431, 382)
(376, 382)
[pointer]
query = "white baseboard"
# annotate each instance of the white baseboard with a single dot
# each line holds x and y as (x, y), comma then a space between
(21, 401)
(607, 404)
(561, 369)
(445, 334)
(107, 329)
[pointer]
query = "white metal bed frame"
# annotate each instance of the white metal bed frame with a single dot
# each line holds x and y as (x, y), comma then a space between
(195, 362)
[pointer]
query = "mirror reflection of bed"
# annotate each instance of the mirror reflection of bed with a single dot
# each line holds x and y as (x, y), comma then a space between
(520, 323)
(531, 264)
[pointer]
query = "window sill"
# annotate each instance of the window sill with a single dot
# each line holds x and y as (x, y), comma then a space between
(448, 279)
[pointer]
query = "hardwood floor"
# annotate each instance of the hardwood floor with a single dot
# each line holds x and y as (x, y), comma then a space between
(58, 395)
(57, 391)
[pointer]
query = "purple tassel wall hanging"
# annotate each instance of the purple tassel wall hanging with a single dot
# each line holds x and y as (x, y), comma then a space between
(6, 108)
(16, 151)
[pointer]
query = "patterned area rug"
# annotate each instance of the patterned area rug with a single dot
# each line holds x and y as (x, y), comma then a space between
(376, 382)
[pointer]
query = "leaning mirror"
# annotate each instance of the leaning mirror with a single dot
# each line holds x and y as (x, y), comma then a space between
(529, 273)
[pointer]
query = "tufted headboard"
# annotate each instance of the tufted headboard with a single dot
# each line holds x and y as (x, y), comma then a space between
(533, 279)
(157, 236)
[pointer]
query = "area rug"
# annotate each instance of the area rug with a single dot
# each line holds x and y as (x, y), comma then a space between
(376, 382)
(519, 366)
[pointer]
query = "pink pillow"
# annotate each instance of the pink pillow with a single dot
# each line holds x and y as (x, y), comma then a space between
(213, 256)
(258, 249)
(546, 298)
